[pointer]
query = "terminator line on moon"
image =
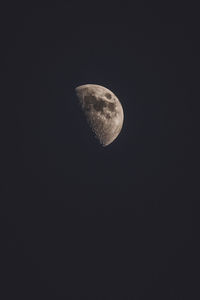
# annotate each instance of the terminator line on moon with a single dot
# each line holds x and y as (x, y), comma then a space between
(103, 111)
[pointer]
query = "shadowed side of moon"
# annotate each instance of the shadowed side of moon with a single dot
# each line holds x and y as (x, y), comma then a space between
(103, 111)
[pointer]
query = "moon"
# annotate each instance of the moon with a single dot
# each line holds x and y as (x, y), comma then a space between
(103, 111)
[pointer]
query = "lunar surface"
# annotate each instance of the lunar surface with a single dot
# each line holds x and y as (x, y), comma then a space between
(103, 111)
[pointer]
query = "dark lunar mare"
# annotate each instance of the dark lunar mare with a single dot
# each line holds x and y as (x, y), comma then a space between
(97, 103)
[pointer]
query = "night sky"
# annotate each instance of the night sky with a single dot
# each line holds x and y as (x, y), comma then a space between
(78, 220)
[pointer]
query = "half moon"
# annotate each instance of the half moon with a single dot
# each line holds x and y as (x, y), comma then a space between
(103, 111)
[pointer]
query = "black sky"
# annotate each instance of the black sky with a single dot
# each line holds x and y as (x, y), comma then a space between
(81, 221)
